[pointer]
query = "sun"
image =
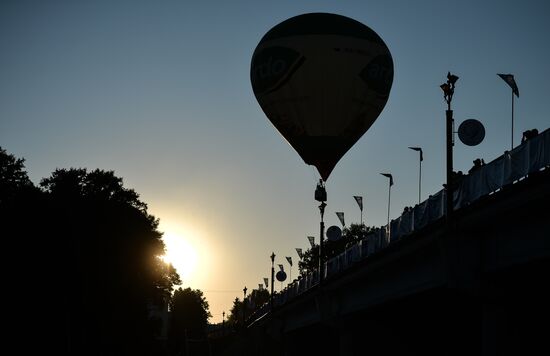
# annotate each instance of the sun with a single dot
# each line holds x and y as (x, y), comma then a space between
(181, 254)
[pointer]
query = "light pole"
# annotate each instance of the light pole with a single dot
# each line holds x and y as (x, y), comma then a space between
(244, 305)
(289, 260)
(419, 149)
(389, 198)
(448, 91)
(272, 277)
(509, 79)
(321, 196)
(223, 322)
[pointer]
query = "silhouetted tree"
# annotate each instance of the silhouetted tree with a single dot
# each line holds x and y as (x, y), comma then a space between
(350, 235)
(21, 208)
(113, 246)
(256, 299)
(309, 260)
(91, 256)
(356, 232)
(236, 313)
(13, 177)
(96, 186)
(189, 318)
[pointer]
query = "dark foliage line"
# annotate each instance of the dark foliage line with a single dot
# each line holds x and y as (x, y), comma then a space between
(88, 274)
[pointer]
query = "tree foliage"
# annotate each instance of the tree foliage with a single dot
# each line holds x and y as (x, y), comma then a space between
(235, 314)
(350, 235)
(96, 186)
(93, 260)
(309, 261)
(13, 177)
(190, 314)
(254, 301)
(257, 298)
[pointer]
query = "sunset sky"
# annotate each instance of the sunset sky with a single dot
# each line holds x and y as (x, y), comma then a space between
(159, 92)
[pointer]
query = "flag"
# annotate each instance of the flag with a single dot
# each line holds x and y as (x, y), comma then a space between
(509, 78)
(289, 259)
(359, 201)
(389, 176)
(311, 240)
(418, 149)
(341, 217)
(266, 282)
(299, 252)
(282, 268)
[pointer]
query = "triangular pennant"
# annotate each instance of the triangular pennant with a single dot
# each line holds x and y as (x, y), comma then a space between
(359, 201)
(389, 176)
(341, 217)
(418, 149)
(509, 78)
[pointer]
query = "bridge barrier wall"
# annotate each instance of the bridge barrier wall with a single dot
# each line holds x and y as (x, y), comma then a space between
(530, 157)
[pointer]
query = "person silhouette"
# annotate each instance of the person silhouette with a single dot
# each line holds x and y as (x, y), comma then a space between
(477, 164)
(529, 134)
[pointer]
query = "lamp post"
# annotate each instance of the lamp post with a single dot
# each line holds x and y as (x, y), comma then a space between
(244, 305)
(321, 196)
(448, 91)
(272, 277)
(289, 260)
(419, 149)
(223, 322)
(389, 198)
(509, 79)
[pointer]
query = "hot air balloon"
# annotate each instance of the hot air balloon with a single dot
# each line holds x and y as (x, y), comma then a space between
(322, 80)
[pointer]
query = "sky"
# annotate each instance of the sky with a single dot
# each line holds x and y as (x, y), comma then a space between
(159, 92)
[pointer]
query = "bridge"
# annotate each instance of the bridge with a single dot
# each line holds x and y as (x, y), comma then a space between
(478, 285)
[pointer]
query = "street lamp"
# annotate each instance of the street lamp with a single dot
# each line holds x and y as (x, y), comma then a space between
(419, 149)
(223, 322)
(509, 79)
(448, 91)
(321, 196)
(289, 260)
(244, 305)
(272, 277)
(389, 198)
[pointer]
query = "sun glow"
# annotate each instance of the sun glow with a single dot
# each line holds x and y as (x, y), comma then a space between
(181, 254)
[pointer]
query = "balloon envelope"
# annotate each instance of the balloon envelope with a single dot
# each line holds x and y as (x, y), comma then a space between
(322, 80)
